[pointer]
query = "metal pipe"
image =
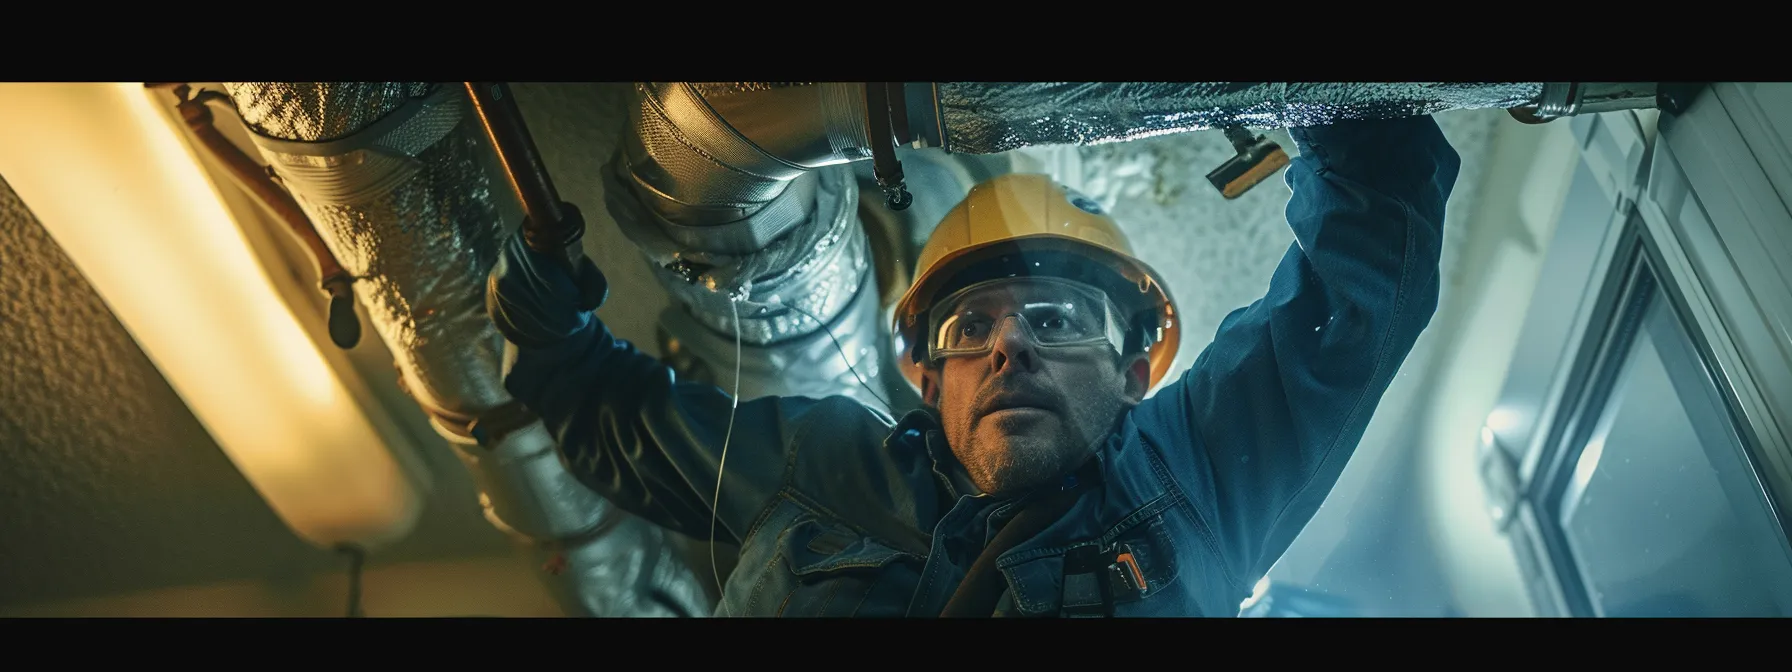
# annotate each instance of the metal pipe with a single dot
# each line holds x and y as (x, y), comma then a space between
(544, 225)
(254, 178)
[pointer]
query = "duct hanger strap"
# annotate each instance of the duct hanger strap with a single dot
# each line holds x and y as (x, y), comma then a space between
(488, 428)
(886, 119)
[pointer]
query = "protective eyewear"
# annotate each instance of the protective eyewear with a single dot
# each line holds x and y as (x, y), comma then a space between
(1052, 313)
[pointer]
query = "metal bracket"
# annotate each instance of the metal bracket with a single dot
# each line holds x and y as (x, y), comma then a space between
(1258, 158)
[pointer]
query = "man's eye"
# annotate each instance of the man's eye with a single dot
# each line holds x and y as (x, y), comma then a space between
(970, 330)
(1053, 323)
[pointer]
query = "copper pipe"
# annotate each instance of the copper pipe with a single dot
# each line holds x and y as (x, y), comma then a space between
(258, 181)
(546, 226)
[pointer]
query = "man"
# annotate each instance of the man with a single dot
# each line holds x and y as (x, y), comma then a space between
(1040, 481)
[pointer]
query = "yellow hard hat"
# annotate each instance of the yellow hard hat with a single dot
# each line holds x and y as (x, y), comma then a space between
(1019, 217)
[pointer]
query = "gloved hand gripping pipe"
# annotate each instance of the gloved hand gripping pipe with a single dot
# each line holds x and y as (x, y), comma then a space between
(550, 226)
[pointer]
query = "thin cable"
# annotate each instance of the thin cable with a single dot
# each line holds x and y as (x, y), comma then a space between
(715, 501)
(356, 558)
(841, 350)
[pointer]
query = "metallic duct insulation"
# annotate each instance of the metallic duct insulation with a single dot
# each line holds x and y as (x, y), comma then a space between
(985, 118)
(813, 365)
(409, 207)
(408, 196)
(318, 111)
(603, 562)
(817, 269)
(737, 191)
(717, 185)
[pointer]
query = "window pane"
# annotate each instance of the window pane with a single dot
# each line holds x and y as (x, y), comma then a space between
(1663, 514)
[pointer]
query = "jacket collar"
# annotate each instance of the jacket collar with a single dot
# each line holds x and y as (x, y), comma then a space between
(922, 427)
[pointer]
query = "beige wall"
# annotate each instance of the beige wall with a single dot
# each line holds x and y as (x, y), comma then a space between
(497, 586)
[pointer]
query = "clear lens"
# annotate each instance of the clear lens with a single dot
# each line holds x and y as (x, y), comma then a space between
(1052, 312)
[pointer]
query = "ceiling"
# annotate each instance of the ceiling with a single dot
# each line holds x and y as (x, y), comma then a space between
(113, 486)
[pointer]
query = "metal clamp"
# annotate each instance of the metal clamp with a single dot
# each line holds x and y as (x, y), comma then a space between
(886, 120)
(1257, 158)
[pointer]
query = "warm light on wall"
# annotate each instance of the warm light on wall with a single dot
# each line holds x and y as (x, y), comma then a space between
(109, 176)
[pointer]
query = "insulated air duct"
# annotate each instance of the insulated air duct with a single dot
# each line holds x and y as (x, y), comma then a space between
(404, 189)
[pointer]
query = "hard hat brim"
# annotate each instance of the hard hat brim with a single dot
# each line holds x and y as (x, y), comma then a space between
(915, 303)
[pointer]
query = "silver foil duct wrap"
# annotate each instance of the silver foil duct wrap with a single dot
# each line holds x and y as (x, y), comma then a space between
(318, 111)
(410, 197)
(787, 288)
(739, 196)
(844, 359)
(409, 207)
(986, 118)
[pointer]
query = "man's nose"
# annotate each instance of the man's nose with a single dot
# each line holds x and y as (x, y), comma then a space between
(1013, 347)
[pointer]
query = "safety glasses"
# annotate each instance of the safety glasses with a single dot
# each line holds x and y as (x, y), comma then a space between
(1052, 313)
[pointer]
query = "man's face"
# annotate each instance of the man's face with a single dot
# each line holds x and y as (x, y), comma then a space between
(1023, 413)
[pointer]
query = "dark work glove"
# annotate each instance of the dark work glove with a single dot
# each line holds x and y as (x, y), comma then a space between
(534, 301)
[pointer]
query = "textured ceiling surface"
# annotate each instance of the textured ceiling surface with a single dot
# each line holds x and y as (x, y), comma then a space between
(112, 485)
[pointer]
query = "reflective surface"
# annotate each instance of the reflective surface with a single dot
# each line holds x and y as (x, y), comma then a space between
(1663, 514)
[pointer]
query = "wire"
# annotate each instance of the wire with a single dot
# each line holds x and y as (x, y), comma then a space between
(715, 501)
(356, 558)
(843, 357)
(728, 436)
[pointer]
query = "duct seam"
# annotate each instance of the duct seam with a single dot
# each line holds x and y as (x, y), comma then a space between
(688, 175)
(843, 112)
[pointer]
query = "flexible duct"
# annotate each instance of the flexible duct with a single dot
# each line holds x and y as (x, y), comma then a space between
(738, 196)
(405, 192)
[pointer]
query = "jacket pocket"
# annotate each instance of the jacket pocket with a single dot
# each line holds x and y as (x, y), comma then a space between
(1038, 584)
(835, 571)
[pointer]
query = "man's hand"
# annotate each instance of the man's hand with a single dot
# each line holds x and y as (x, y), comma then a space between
(534, 301)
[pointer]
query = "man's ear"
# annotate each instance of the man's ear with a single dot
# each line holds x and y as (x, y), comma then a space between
(930, 387)
(1138, 377)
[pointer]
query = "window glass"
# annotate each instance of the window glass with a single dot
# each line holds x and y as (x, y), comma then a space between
(1663, 515)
